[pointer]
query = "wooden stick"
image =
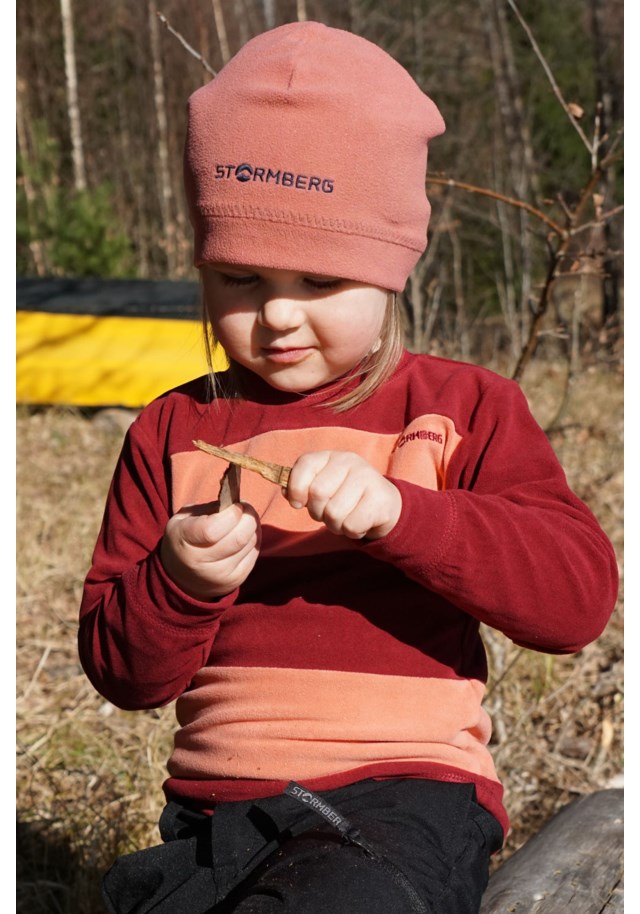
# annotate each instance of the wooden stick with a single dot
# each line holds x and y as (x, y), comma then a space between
(229, 493)
(274, 472)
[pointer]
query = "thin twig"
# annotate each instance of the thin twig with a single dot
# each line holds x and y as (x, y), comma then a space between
(185, 44)
(597, 138)
(494, 686)
(273, 472)
(555, 258)
(494, 195)
(221, 30)
(550, 76)
(38, 670)
(604, 217)
(565, 208)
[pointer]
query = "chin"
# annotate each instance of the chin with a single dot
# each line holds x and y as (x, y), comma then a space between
(293, 384)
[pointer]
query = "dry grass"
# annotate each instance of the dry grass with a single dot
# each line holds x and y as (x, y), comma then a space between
(89, 775)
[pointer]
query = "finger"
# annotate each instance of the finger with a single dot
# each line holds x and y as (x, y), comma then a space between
(225, 566)
(225, 532)
(363, 506)
(339, 487)
(245, 534)
(332, 509)
(239, 564)
(202, 529)
(242, 539)
(375, 515)
(357, 522)
(303, 473)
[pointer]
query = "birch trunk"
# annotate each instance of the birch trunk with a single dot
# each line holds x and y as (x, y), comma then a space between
(164, 176)
(268, 8)
(73, 107)
(221, 30)
(520, 177)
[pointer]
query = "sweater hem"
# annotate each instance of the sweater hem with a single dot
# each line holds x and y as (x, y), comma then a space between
(205, 795)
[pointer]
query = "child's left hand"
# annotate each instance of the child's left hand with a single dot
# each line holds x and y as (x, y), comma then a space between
(346, 493)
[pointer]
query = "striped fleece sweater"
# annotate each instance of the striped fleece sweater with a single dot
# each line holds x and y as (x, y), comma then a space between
(339, 660)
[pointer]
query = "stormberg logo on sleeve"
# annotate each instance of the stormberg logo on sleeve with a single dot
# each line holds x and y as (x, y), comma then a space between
(245, 172)
(420, 435)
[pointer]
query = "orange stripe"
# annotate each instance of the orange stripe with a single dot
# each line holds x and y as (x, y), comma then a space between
(286, 723)
(420, 455)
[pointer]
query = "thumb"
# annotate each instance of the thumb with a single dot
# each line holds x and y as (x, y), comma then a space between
(202, 526)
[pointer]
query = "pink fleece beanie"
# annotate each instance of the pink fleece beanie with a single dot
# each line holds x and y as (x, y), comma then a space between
(308, 152)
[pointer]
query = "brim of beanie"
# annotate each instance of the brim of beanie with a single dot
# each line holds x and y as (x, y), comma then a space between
(305, 249)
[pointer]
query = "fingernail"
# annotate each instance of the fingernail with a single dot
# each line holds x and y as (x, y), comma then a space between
(295, 504)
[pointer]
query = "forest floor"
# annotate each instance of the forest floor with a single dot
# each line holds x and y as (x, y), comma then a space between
(90, 775)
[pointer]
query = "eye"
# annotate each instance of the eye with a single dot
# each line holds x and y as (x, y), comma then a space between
(232, 280)
(322, 283)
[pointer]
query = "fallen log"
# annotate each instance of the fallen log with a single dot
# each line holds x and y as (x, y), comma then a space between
(573, 865)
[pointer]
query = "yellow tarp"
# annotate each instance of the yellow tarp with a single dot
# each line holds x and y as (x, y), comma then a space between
(87, 360)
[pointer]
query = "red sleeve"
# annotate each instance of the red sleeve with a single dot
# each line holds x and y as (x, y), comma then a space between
(141, 639)
(507, 541)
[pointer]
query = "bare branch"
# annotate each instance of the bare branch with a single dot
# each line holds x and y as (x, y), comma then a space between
(221, 30)
(550, 76)
(556, 258)
(598, 139)
(494, 195)
(612, 155)
(565, 208)
(602, 218)
(185, 44)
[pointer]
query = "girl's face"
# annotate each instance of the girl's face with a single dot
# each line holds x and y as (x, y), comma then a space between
(297, 331)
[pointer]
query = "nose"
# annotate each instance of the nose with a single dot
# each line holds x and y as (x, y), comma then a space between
(281, 313)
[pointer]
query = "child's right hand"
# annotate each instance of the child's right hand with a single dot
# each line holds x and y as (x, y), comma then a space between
(209, 555)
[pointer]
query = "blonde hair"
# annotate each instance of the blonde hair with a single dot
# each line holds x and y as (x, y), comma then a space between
(376, 367)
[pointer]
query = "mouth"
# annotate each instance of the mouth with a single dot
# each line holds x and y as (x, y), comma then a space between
(286, 355)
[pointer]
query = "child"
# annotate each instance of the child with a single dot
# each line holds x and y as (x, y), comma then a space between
(322, 639)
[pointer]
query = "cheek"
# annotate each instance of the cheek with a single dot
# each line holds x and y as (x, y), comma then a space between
(231, 329)
(357, 334)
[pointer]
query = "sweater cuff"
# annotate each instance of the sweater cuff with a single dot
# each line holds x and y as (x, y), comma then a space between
(424, 531)
(165, 601)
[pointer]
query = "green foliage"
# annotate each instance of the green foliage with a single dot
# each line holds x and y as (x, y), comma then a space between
(562, 32)
(87, 241)
(77, 231)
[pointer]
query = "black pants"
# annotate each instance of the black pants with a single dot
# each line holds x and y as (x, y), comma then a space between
(405, 847)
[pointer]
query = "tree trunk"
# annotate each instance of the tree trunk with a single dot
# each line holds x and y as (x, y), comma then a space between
(221, 30)
(79, 174)
(36, 246)
(356, 17)
(269, 11)
(574, 864)
(610, 94)
(164, 176)
(520, 178)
